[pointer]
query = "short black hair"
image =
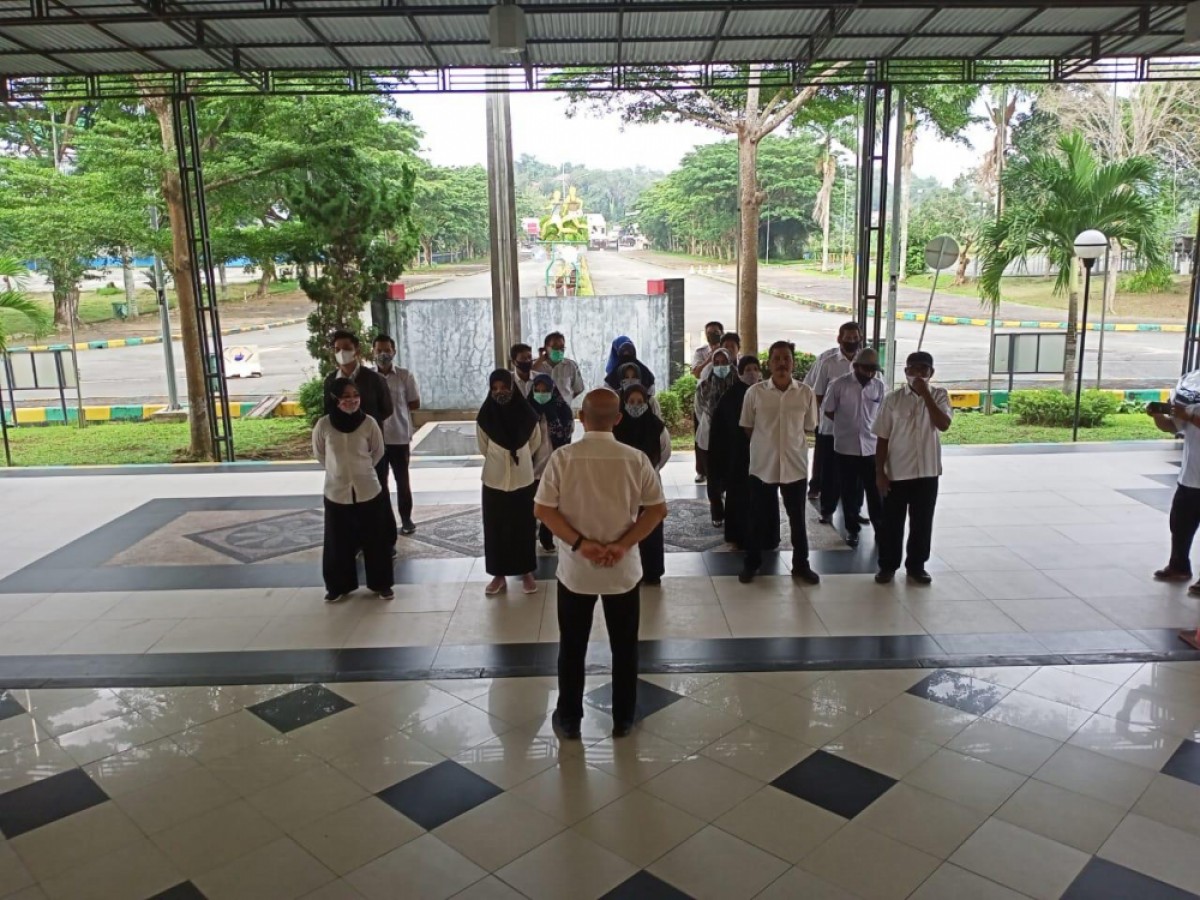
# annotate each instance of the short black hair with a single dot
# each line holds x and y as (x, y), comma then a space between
(552, 335)
(343, 335)
(340, 385)
(786, 345)
(732, 336)
(747, 360)
(714, 322)
(920, 358)
(518, 348)
(848, 326)
(384, 339)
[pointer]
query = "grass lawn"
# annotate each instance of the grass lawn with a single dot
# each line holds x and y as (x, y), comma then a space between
(120, 443)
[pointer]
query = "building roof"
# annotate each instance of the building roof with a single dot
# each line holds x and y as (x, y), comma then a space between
(439, 43)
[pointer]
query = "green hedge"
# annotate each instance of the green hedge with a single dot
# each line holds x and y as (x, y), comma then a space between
(1051, 407)
(804, 362)
(311, 398)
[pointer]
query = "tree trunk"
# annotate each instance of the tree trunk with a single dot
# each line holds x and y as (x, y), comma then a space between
(66, 303)
(1110, 277)
(224, 285)
(964, 260)
(751, 204)
(127, 275)
(910, 145)
(825, 201)
(1072, 330)
(267, 270)
(181, 266)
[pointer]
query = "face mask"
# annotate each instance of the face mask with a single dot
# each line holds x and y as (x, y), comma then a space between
(503, 398)
(637, 410)
(721, 371)
(524, 365)
(849, 346)
(542, 398)
(345, 357)
(751, 376)
(713, 336)
(557, 356)
(912, 378)
(349, 404)
(384, 359)
(863, 377)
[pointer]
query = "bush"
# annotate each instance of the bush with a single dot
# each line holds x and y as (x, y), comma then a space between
(804, 362)
(311, 397)
(684, 387)
(1051, 407)
(1154, 281)
(672, 409)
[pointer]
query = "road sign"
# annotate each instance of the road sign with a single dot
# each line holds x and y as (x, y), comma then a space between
(242, 361)
(941, 252)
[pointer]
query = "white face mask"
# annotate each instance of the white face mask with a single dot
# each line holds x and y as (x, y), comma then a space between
(345, 357)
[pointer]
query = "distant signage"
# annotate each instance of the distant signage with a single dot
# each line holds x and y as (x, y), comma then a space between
(242, 361)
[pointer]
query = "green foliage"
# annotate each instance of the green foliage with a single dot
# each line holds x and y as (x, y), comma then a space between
(311, 398)
(450, 209)
(1149, 281)
(685, 388)
(1054, 408)
(14, 300)
(672, 408)
(804, 362)
(962, 211)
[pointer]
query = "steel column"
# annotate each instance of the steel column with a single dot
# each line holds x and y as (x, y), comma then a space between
(869, 249)
(204, 289)
(1191, 340)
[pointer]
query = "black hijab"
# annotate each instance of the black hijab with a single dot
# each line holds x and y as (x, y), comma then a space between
(644, 432)
(345, 422)
(512, 424)
(645, 376)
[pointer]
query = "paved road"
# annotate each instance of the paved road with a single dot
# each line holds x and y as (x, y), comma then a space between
(135, 374)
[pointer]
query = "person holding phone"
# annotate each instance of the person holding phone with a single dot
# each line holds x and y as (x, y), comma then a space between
(1182, 419)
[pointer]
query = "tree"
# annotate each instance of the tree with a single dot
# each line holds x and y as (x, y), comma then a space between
(450, 208)
(961, 211)
(1052, 196)
(15, 302)
(748, 102)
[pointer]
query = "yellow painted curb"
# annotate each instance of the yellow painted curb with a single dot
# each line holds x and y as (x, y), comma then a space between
(1125, 326)
(31, 415)
(965, 399)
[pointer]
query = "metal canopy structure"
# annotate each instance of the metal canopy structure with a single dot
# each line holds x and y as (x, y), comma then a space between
(210, 46)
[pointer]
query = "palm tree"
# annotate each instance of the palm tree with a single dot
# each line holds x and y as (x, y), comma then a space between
(1050, 198)
(13, 299)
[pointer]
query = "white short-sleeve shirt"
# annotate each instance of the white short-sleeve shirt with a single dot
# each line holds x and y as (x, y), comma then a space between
(778, 444)
(398, 427)
(854, 406)
(831, 366)
(1189, 473)
(914, 444)
(599, 485)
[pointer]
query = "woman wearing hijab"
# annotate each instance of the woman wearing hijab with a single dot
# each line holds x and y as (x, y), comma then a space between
(626, 356)
(729, 458)
(719, 378)
(349, 444)
(557, 425)
(509, 436)
(641, 429)
(613, 355)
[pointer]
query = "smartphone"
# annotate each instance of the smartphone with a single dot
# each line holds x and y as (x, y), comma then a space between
(1159, 407)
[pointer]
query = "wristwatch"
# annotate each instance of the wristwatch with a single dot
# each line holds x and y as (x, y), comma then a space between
(578, 543)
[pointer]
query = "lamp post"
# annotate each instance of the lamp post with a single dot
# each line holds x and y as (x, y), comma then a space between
(1089, 246)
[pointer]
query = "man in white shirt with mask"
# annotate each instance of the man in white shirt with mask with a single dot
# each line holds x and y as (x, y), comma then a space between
(397, 428)
(851, 403)
(832, 364)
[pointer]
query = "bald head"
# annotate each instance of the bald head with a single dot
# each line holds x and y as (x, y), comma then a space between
(601, 410)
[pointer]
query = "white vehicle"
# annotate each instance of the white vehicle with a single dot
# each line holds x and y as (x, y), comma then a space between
(597, 231)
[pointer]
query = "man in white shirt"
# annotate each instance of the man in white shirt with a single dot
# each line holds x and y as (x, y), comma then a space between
(1182, 419)
(851, 404)
(776, 414)
(521, 356)
(397, 428)
(908, 464)
(700, 359)
(600, 498)
(554, 362)
(833, 363)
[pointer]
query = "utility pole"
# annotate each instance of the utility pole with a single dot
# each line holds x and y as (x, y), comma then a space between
(158, 282)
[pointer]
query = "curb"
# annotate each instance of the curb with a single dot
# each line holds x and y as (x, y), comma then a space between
(1164, 327)
(157, 338)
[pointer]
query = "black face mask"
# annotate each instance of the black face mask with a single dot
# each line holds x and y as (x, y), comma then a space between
(713, 336)
(524, 365)
(849, 347)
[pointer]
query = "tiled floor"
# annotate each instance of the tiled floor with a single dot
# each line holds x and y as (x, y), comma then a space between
(1078, 782)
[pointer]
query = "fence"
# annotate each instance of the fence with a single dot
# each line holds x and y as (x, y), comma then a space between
(1038, 266)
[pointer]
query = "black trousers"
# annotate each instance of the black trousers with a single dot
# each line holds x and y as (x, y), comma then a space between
(1185, 519)
(716, 496)
(652, 551)
(701, 462)
(350, 527)
(915, 500)
(762, 498)
(621, 617)
(395, 459)
(828, 482)
(857, 475)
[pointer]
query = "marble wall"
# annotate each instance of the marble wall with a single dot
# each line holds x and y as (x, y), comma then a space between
(447, 342)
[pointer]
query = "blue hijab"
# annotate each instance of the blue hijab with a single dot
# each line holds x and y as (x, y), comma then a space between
(612, 354)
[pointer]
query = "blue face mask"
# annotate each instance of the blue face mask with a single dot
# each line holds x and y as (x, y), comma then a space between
(542, 398)
(721, 371)
(636, 410)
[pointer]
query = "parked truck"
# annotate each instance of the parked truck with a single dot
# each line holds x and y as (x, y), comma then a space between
(597, 231)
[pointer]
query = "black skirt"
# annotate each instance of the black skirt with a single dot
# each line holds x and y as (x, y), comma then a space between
(509, 531)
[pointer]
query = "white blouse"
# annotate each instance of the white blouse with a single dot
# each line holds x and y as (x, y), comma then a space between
(349, 460)
(499, 470)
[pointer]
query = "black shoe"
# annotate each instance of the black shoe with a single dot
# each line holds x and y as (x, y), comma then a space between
(813, 495)
(747, 575)
(651, 582)
(852, 539)
(920, 576)
(718, 523)
(885, 576)
(408, 528)
(863, 520)
(1168, 574)
(622, 729)
(700, 479)
(394, 553)
(565, 731)
(824, 519)
(806, 574)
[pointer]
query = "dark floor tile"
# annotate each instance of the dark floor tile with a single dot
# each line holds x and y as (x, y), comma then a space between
(959, 691)
(1110, 640)
(1104, 880)
(721, 562)
(438, 794)
(990, 644)
(1185, 762)
(835, 784)
(650, 699)
(185, 890)
(9, 706)
(48, 800)
(644, 886)
(1157, 498)
(298, 708)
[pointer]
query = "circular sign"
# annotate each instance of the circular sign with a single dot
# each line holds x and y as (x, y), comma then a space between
(941, 252)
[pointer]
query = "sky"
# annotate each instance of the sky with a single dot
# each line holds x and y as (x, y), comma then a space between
(454, 136)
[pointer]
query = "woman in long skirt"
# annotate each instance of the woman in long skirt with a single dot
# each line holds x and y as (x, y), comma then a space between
(641, 429)
(349, 444)
(509, 435)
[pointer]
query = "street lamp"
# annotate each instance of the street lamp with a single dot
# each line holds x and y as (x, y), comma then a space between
(1089, 247)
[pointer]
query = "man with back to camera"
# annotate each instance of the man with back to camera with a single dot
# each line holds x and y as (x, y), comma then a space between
(776, 414)
(554, 361)
(833, 363)
(600, 498)
(852, 403)
(376, 398)
(1182, 417)
(397, 428)
(908, 464)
